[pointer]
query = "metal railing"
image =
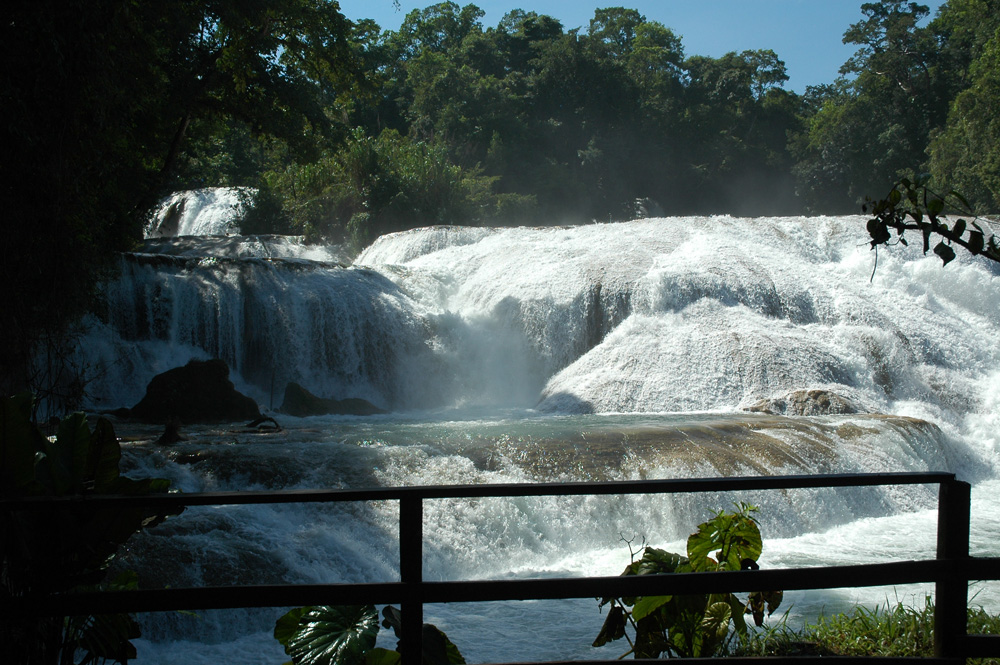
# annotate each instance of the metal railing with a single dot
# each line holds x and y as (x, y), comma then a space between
(950, 571)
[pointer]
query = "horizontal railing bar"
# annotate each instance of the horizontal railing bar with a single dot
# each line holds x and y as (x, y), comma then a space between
(663, 486)
(764, 660)
(981, 646)
(903, 572)
(982, 568)
(206, 598)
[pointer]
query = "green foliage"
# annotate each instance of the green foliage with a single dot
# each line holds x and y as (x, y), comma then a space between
(328, 634)
(870, 129)
(69, 547)
(966, 152)
(896, 631)
(911, 206)
(893, 631)
(106, 636)
(345, 635)
(373, 186)
(692, 626)
(108, 105)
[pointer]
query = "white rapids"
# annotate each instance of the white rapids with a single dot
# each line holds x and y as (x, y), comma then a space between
(607, 351)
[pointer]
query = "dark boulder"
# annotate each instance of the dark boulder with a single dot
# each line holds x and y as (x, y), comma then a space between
(300, 402)
(199, 392)
(172, 434)
(806, 403)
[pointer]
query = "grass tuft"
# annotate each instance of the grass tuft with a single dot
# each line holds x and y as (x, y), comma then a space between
(889, 631)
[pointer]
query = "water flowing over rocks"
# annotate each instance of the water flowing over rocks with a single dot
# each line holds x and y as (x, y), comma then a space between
(602, 352)
(197, 212)
(805, 403)
(245, 247)
(300, 402)
(198, 392)
(657, 315)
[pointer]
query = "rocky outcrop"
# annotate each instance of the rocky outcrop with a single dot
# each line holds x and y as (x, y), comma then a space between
(199, 392)
(806, 403)
(300, 402)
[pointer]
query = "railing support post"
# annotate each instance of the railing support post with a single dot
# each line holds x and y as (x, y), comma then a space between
(411, 546)
(952, 587)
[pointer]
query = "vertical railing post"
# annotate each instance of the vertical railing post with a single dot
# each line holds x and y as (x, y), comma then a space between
(952, 587)
(411, 571)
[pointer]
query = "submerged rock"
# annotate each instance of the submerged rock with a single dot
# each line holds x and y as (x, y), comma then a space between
(172, 434)
(199, 392)
(300, 402)
(806, 403)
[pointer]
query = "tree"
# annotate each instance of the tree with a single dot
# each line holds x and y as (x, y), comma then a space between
(873, 129)
(376, 185)
(966, 153)
(737, 119)
(98, 99)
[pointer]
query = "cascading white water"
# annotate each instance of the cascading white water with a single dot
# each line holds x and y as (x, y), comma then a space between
(716, 313)
(273, 321)
(605, 351)
(197, 212)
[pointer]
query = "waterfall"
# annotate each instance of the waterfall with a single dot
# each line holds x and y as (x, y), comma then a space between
(197, 212)
(606, 351)
(675, 314)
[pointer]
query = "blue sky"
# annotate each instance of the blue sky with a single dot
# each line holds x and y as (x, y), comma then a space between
(806, 34)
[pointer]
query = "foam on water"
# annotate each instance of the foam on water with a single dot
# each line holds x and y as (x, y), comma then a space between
(531, 537)
(609, 351)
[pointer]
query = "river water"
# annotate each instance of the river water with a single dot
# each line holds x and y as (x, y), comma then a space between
(608, 351)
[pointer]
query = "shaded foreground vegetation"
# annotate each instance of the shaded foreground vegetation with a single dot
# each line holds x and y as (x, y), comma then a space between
(889, 631)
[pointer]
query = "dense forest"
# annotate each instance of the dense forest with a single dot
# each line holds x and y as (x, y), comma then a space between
(451, 121)
(345, 131)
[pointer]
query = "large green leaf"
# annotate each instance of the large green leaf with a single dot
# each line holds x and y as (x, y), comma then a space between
(646, 605)
(334, 635)
(650, 638)
(733, 536)
(613, 628)
(758, 600)
(106, 636)
(656, 561)
(738, 610)
(287, 626)
(438, 649)
(393, 619)
(714, 627)
(379, 656)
